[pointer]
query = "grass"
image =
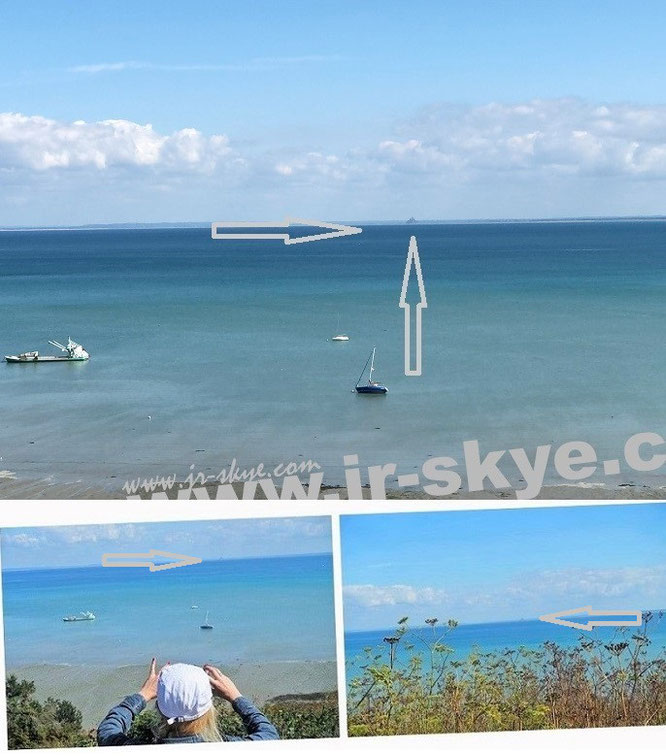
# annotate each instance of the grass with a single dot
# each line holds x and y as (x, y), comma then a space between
(424, 688)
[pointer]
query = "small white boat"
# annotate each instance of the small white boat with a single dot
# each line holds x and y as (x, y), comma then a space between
(206, 625)
(73, 353)
(340, 336)
(83, 617)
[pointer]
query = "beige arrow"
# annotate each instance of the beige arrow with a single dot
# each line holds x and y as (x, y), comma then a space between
(334, 230)
(148, 560)
(633, 619)
(413, 271)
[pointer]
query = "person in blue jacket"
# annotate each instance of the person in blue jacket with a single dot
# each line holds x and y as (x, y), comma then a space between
(184, 695)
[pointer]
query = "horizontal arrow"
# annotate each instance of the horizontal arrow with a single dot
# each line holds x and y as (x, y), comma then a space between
(625, 618)
(335, 230)
(148, 560)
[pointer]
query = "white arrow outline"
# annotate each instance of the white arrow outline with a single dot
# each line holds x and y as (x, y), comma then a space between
(337, 230)
(146, 560)
(413, 261)
(556, 618)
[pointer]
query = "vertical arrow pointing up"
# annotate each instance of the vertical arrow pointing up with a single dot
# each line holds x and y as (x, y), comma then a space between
(413, 271)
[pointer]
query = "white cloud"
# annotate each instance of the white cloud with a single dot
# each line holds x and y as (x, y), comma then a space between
(390, 595)
(557, 137)
(525, 595)
(93, 68)
(604, 583)
(277, 529)
(71, 534)
(543, 158)
(560, 137)
(255, 64)
(43, 144)
(316, 166)
(21, 539)
(69, 545)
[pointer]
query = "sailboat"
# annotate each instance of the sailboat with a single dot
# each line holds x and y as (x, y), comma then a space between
(372, 387)
(206, 625)
(340, 336)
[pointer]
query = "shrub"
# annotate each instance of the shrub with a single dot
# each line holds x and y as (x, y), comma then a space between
(31, 724)
(424, 689)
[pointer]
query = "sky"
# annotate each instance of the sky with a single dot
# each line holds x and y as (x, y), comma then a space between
(117, 111)
(496, 565)
(83, 545)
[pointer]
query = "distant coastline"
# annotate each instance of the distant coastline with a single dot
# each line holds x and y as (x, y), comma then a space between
(97, 565)
(128, 226)
(478, 623)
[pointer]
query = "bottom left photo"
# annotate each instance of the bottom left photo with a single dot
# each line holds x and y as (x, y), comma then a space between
(143, 633)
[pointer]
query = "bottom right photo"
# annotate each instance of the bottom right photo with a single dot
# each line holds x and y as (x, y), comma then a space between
(505, 619)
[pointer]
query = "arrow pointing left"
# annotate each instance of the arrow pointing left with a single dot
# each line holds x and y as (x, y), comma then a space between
(148, 559)
(590, 618)
(334, 230)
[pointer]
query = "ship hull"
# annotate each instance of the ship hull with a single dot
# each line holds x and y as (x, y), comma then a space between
(19, 360)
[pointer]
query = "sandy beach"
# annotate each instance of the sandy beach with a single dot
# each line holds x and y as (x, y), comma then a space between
(94, 690)
(16, 488)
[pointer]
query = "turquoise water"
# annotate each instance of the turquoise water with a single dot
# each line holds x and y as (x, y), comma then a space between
(493, 636)
(261, 609)
(534, 333)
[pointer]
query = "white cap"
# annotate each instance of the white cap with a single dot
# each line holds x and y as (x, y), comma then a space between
(183, 692)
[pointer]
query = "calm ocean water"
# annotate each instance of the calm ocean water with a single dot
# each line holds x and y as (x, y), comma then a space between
(534, 333)
(261, 609)
(492, 636)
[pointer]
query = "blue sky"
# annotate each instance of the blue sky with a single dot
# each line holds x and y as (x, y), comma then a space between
(80, 545)
(498, 565)
(119, 111)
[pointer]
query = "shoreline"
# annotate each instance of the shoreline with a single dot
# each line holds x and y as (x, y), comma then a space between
(95, 689)
(13, 487)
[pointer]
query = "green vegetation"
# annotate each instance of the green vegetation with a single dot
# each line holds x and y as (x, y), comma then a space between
(31, 724)
(312, 716)
(58, 724)
(423, 688)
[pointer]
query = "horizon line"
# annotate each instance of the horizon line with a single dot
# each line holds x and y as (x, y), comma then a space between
(468, 624)
(388, 222)
(203, 561)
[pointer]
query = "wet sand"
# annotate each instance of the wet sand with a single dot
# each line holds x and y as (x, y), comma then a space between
(15, 488)
(94, 690)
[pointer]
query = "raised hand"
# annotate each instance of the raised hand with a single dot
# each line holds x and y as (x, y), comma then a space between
(222, 685)
(149, 688)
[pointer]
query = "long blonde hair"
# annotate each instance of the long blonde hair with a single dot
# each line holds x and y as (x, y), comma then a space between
(204, 726)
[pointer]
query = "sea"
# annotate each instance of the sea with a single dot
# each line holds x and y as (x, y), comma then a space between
(490, 637)
(260, 609)
(205, 351)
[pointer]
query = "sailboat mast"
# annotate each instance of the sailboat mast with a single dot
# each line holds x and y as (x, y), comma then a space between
(372, 363)
(363, 371)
